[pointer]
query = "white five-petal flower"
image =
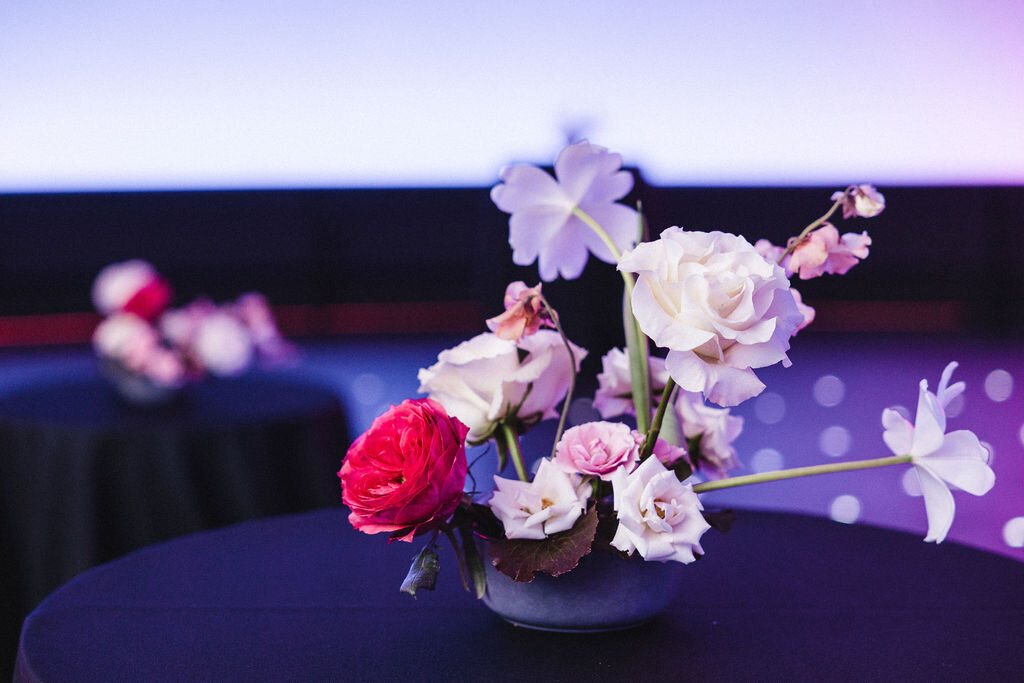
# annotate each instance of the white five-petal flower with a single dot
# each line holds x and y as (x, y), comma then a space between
(957, 458)
(543, 226)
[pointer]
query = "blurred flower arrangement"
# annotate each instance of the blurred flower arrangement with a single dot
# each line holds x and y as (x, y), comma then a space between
(164, 349)
(701, 312)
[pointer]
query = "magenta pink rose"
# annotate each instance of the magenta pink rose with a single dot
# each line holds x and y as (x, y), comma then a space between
(406, 473)
(597, 449)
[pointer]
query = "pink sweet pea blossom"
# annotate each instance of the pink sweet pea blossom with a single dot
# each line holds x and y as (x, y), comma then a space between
(524, 312)
(824, 251)
(863, 201)
(957, 458)
(597, 449)
(543, 227)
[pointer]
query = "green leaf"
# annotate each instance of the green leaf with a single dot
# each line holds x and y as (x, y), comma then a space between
(639, 368)
(474, 562)
(672, 428)
(423, 571)
(557, 554)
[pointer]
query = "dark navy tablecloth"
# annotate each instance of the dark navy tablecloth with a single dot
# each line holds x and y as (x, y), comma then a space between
(85, 478)
(306, 598)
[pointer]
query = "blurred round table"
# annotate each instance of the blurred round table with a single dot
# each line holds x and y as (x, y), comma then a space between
(306, 598)
(85, 477)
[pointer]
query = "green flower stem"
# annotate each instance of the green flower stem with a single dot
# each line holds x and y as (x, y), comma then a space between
(639, 355)
(659, 416)
(512, 442)
(572, 375)
(800, 472)
(806, 231)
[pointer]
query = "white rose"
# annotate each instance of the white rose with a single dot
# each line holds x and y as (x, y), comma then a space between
(717, 305)
(659, 516)
(487, 379)
(552, 502)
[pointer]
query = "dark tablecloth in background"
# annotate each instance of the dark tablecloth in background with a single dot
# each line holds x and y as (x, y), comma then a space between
(306, 598)
(85, 478)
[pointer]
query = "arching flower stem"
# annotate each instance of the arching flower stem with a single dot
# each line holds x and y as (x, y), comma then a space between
(795, 472)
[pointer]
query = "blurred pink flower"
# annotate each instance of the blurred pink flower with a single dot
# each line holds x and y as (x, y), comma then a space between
(715, 428)
(543, 227)
(131, 287)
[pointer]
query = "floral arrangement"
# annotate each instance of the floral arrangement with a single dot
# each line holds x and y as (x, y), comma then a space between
(702, 312)
(169, 348)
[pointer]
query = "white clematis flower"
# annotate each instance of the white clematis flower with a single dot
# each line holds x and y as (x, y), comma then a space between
(659, 516)
(957, 458)
(552, 502)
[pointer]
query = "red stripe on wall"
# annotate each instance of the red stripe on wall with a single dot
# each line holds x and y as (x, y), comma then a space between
(468, 316)
(293, 321)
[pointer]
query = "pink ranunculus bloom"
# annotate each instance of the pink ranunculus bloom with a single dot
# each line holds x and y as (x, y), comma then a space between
(524, 312)
(597, 449)
(614, 395)
(486, 380)
(551, 503)
(718, 307)
(131, 287)
(406, 473)
(957, 458)
(863, 201)
(716, 429)
(659, 516)
(543, 227)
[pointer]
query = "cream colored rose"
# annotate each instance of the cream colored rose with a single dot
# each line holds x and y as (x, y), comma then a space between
(717, 305)
(487, 379)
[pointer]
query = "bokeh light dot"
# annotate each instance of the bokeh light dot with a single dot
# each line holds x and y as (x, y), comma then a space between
(845, 509)
(911, 483)
(770, 408)
(999, 385)
(1013, 532)
(835, 441)
(368, 389)
(1021, 435)
(766, 460)
(829, 391)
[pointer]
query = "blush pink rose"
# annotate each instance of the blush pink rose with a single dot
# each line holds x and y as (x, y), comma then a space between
(406, 473)
(597, 449)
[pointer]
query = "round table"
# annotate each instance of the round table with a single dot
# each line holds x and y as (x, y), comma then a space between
(306, 598)
(85, 477)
